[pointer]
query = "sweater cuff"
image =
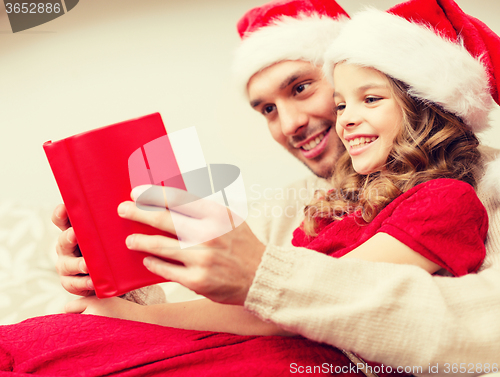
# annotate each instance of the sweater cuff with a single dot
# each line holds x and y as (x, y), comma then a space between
(265, 292)
(151, 295)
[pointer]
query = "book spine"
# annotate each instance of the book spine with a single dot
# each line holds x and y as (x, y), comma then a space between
(80, 216)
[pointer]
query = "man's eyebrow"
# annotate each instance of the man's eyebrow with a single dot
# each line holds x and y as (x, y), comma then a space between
(255, 103)
(290, 79)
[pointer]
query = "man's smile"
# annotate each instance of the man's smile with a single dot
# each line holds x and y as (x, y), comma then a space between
(315, 145)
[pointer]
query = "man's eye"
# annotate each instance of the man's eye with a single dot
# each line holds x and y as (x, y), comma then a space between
(300, 88)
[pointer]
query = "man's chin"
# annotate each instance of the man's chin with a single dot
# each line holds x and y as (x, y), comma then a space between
(325, 172)
(324, 167)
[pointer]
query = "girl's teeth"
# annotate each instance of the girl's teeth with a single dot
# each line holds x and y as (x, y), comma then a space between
(360, 141)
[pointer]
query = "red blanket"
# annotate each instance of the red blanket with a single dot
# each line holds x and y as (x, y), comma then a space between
(85, 345)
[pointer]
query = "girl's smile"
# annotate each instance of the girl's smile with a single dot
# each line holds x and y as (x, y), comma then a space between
(358, 143)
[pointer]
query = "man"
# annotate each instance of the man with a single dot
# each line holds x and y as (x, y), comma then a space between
(395, 314)
(304, 99)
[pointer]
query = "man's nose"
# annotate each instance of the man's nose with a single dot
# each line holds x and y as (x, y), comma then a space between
(292, 119)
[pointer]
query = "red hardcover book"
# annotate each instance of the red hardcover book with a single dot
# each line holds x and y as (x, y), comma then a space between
(95, 171)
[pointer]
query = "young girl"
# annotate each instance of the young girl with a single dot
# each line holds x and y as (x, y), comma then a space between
(407, 100)
(393, 199)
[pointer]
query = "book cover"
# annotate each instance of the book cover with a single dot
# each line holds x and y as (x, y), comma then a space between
(95, 171)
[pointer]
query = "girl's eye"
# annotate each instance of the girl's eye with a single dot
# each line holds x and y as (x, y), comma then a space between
(372, 99)
(339, 107)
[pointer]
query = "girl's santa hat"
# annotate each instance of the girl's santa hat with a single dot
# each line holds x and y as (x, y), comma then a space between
(285, 30)
(445, 56)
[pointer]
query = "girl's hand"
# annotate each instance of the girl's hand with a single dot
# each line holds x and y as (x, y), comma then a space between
(108, 307)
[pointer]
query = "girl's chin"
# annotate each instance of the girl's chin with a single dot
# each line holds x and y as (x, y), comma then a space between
(366, 170)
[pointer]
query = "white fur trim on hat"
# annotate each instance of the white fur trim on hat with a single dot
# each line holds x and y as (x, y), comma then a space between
(491, 179)
(436, 69)
(288, 38)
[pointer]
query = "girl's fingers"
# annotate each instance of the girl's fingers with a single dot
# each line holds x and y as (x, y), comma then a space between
(79, 306)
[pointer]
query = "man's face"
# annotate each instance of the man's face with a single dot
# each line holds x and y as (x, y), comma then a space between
(297, 102)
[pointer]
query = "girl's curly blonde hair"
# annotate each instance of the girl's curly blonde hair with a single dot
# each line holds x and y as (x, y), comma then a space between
(432, 143)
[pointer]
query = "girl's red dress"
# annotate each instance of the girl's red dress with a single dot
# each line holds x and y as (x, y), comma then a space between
(442, 219)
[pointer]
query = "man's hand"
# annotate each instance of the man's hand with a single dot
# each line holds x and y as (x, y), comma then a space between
(221, 269)
(70, 264)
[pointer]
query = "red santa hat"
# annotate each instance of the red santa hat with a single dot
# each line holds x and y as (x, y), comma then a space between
(285, 30)
(445, 56)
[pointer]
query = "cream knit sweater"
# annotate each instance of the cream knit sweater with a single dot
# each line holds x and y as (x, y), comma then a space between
(397, 315)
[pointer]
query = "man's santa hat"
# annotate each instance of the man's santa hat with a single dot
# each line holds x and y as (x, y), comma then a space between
(445, 56)
(285, 30)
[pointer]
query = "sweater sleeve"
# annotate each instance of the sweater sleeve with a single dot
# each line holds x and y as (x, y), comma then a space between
(397, 315)
(150, 295)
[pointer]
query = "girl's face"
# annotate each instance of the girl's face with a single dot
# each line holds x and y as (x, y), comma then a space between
(368, 116)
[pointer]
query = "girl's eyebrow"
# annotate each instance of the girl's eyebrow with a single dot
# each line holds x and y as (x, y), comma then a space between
(366, 87)
(372, 86)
